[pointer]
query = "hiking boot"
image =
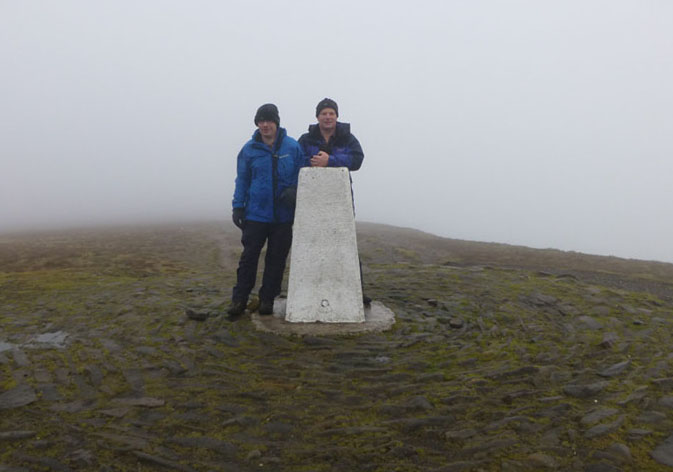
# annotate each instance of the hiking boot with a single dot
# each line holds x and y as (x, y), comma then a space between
(236, 309)
(366, 301)
(266, 307)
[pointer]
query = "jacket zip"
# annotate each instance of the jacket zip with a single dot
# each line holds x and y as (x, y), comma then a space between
(275, 150)
(274, 180)
(274, 175)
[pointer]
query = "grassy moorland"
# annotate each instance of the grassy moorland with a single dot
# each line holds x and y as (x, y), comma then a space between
(502, 358)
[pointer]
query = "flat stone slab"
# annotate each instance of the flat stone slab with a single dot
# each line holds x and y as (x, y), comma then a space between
(49, 340)
(16, 397)
(664, 452)
(378, 318)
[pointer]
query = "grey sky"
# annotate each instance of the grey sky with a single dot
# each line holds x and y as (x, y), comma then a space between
(541, 123)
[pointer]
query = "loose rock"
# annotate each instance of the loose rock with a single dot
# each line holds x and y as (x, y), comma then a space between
(17, 397)
(603, 429)
(615, 369)
(585, 391)
(663, 453)
(598, 415)
(15, 435)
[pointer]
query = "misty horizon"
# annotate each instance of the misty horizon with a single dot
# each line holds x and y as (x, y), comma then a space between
(170, 221)
(537, 125)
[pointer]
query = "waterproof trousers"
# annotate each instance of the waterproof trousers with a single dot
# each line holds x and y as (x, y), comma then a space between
(278, 239)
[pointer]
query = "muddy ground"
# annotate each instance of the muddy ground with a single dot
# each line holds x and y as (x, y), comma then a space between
(501, 359)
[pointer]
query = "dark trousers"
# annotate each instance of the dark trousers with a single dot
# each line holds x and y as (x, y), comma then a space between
(278, 239)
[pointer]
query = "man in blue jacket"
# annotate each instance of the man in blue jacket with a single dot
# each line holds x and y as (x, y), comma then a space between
(329, 143)
(263, 208)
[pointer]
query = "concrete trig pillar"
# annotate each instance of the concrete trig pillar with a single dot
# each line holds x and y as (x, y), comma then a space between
(324, 284)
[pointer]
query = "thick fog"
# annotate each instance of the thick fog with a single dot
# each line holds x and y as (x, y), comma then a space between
(545, 124)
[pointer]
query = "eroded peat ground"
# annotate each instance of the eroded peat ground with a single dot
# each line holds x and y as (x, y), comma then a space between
(488, 368)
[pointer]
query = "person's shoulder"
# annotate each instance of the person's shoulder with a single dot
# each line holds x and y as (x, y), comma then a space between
(344, 134)
(308, 139)
(313, 133)
(343, 127)
(253, 139)
(249, 144)
(290, 141)
(252, 148)
(344, 130)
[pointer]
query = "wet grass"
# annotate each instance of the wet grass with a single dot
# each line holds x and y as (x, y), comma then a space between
(131, 288)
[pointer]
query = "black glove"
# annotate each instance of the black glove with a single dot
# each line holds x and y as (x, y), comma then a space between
(288, 197)
(238, 217)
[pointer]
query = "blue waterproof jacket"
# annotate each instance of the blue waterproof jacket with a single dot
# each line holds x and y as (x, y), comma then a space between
(264, 173)
(343, 148)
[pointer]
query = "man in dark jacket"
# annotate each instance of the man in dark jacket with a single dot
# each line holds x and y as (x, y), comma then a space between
(329, 143)
(263, 207)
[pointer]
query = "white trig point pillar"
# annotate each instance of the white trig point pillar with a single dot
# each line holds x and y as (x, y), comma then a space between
(324, 284)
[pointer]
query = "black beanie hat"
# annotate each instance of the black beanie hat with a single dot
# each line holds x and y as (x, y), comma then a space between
(327, 103)
(267, 112)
